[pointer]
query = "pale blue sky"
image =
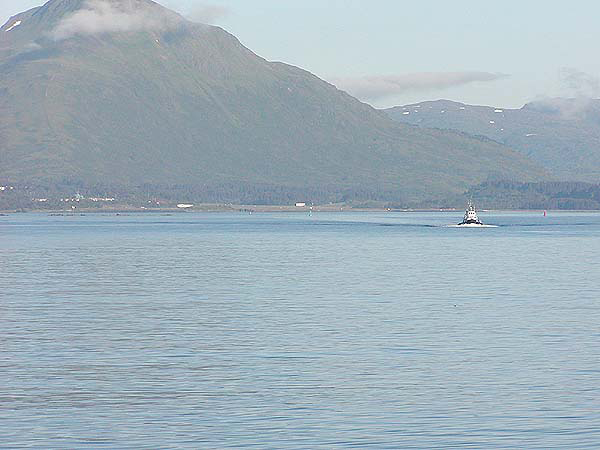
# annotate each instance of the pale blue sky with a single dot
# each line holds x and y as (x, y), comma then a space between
(339, 39)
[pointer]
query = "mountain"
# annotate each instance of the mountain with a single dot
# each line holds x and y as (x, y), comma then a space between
(562, 135)
(127, 93)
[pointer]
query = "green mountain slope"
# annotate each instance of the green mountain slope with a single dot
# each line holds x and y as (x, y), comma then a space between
(177, 103)
(562, 135)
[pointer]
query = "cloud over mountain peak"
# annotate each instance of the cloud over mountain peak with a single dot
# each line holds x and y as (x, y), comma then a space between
(380, 87)
(105, 16)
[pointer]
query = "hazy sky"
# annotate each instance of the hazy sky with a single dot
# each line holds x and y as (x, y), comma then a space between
(391, 52)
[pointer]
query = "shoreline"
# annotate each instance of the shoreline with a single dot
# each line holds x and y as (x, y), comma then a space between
(210, 208)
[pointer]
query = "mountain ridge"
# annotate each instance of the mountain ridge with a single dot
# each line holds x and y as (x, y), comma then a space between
(562, 135)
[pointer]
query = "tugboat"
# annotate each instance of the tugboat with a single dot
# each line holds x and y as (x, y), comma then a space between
(470, 218)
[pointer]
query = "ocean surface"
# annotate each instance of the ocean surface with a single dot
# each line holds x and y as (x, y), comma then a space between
(382, 330)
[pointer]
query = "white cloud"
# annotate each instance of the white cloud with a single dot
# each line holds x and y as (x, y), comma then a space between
(578, 90)
(101, 16)
(207, 14)
(578, 83)
(381, 87)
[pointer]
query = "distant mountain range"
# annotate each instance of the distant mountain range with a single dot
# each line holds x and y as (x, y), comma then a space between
(562, 135)
(127, 93)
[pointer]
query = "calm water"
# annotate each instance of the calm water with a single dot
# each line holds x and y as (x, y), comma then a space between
(337, 330)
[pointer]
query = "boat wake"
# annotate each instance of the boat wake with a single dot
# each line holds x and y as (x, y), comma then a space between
(469, 225)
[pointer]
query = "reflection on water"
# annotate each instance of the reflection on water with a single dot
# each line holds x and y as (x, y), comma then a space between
(288, 330)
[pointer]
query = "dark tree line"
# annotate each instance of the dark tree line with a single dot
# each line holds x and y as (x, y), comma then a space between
(27, 196)
(491, 194)
(545, 195)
